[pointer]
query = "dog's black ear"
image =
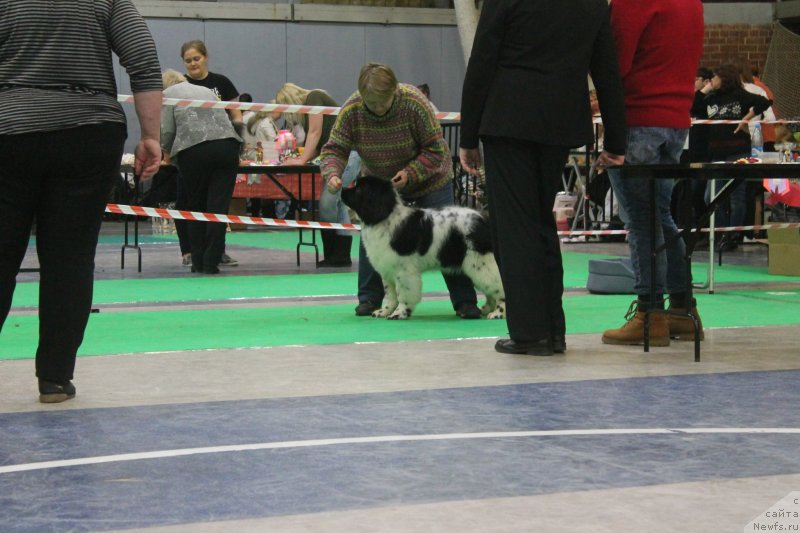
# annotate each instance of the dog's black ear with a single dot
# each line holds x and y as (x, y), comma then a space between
(372, 198)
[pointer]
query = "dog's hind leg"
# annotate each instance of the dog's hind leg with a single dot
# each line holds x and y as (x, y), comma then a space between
(499, 309)
(409, 293)
(482, 270)
(389, 299)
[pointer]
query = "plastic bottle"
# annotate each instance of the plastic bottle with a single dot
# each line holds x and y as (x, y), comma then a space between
(756, 142)
(259, 152)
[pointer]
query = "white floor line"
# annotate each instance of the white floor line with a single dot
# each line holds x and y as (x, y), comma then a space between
(377, 439)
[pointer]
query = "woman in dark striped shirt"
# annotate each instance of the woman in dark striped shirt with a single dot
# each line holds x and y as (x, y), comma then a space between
(62, 133)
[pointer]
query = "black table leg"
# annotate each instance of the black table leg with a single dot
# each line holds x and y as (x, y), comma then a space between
(651, 188)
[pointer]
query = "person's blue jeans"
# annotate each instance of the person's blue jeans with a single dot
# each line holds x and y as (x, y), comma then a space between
(370, 284)
(331, 207)
(652, 146)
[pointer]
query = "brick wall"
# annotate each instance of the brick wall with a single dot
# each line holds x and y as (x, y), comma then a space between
(724, 42)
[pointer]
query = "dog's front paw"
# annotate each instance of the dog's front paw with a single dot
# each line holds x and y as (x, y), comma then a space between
(383, 312)
(401, 313)
(498, 313)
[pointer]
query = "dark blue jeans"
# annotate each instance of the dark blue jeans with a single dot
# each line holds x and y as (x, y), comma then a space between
(370, 284)
(66, 192)
(652, 146)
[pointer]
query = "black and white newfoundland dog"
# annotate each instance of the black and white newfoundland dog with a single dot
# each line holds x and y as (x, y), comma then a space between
(402, 242)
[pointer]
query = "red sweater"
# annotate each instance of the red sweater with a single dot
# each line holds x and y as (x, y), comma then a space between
(659, 44)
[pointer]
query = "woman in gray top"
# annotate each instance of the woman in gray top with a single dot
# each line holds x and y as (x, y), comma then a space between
(204, 146)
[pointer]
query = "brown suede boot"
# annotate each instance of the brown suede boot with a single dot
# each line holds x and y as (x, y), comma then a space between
(681, 327)
(633, 331)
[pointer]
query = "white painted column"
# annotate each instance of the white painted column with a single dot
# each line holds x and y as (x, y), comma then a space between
(467, 21)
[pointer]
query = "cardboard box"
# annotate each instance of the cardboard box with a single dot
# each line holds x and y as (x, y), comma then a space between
(784, 251)
(238, 207)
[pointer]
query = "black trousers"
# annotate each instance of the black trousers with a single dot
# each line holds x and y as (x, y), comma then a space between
(206, 181)
(522, 179)
(63, 179)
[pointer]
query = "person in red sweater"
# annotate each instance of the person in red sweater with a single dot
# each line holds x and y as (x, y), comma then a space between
(659, 44)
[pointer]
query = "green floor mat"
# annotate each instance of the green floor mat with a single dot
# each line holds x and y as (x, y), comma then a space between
(272, 240)
(196, 288)
(112, 333)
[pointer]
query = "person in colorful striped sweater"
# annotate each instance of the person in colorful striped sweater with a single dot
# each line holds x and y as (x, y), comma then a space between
(395, 132)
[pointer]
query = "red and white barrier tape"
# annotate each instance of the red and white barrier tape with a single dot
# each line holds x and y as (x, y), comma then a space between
(157, 212)
(232, 219)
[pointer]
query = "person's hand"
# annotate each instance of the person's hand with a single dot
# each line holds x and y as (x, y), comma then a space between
(743, 126)
(400, 180)
(470, 160)
(147, 158)
(607, 159)
(334, 184)
(707, 88)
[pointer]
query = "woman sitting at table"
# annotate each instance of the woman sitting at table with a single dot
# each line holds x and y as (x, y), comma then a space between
(204, 146)
(724, 98)
(335, 246)
(260, 127)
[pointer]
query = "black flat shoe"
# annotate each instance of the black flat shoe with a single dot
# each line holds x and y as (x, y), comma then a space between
(335, 263)
(468, 310)
(50, 392)
(365, 309)
(540, 347)
(211, 270)
(559, 344)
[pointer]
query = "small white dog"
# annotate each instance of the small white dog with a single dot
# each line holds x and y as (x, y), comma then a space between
(402, 242)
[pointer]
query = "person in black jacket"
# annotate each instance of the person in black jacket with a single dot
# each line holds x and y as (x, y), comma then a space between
(725, 98)
(526, 97)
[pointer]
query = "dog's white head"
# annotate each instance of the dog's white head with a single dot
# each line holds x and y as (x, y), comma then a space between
(372, 198)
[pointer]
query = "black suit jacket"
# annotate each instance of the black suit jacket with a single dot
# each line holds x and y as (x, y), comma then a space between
(526, 78)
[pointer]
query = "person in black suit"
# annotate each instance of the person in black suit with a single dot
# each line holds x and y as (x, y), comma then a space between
(526, 97)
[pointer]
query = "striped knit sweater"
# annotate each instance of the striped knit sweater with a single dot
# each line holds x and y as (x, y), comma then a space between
(56, 69)
(408, 137)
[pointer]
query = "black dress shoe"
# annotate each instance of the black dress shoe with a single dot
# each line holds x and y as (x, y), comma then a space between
(365, 309)
(51, 392)
(468, 310)
(559, 344)
(211, 270)
(540, 347)
(334, 262)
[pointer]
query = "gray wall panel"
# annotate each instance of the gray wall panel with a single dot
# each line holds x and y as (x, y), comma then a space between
(325, 56)
(251, 54)
(447, 97)
(413, 52)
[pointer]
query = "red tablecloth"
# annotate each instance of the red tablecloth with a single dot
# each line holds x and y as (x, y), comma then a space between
(268, 189)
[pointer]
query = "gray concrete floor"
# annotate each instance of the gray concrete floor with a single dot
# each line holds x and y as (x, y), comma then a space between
(726, 502)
